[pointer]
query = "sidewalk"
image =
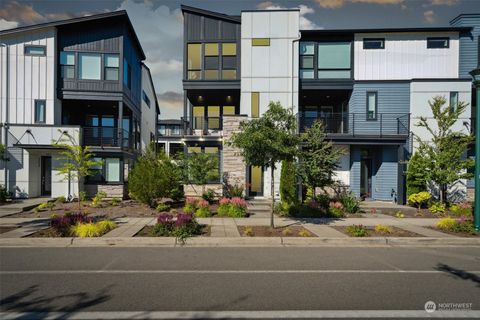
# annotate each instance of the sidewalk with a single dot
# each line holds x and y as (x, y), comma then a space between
(21, 205)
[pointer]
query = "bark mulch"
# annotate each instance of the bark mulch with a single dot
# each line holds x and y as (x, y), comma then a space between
(396, 232)
(457, 234)
(266, 231)
(147, 231)
(4, 229)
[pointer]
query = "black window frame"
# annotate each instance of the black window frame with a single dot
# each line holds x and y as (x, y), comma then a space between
(105, 67)
(35, 46)
(367, 117)
(382, 40)
(429, 45)
(145, 98)
(65, 66)
(312, 55)
(450, 100)
(102, 173)
(37, 103)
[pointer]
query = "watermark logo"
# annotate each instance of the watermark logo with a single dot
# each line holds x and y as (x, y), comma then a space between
(430, 306)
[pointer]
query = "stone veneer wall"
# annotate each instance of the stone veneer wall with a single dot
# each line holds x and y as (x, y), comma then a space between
(233, 166)
(112, 190)
(195, 190)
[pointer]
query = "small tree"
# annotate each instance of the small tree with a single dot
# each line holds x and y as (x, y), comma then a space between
(267, 140)
(318, 157)
(154, 176)
(202, 168)
(445, 151)
(288, 184)
(76, 162)
(416, 181)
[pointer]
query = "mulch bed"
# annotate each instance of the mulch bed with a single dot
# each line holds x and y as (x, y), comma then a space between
(266, 231)
(457, 234)
(147, 231)
(51, 233)
(6, 229)
(396, 232)
(423, 213)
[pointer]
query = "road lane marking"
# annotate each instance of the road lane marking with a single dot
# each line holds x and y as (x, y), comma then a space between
(276, 314)
(106, 271)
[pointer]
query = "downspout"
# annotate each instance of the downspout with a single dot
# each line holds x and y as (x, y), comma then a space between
(7, 114)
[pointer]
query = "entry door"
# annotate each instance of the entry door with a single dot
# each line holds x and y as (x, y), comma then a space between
(255, 177)
(366, 175)
(46, 176)
(326, 115)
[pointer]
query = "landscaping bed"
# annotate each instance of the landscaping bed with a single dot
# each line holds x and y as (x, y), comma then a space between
(374, 232)
(460, 227)
(266, 231)
(4, 229)
(422, 213)
(148, 231)
(457, 234)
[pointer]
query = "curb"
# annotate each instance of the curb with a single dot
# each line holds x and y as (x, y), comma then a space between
(235, 242)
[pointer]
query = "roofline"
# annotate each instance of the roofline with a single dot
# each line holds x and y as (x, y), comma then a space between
(213, 14)
(58, 23)
(153, 86)
(271, 10)
(463, 14)
(388, 30)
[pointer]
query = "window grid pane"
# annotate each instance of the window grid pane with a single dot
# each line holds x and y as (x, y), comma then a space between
(229, 49)
(334, 55)
(211, 49)
(112, 169)
(89, 66)
(255, 104)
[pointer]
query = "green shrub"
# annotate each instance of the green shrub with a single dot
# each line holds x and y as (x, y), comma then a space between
(203, 212)
(235, 190)
(350, 203)
(83, 196)
(44, 206)
(190, 205)
(357, 231)
(419, 199)
(3, 194)
(209, 195)
(115, 201)
(416, 182)
(248, 232)
(323, 200)
(97, 229)
(336, 212)
(288, 185)
(304, 233)
(381, 228)
(437, 207)
(305, 211)
(181, 227)
(60, 199)
(99, 196)
(162, 207)
(235, 207)
(461, 225)
(461, 209)
(446, 224)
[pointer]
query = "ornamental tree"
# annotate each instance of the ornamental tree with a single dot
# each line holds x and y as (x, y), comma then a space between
(267, 140)
(445, 150)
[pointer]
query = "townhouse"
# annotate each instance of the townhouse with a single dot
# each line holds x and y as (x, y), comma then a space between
(368, 86)
(82, 79)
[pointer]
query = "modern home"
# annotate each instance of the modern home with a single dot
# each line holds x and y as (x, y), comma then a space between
(80, 80)
(368, 86)
(169, 136)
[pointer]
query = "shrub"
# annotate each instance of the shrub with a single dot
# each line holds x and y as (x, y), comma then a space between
(399, 214)
(235, 190)
(115, 201)
(447, 224)
(223, 207)
(88, 230)
(154, 176)
(98, 198)
(304, 233)
(350, 202)
(419, 199)
(248, 231)
(323, 201)
(162, 207)
(190, 205)
(311, 210)
(44, 206)
(3, 194)
(209, 195)
(235, 207)
(286, 232)
(335, 210)
(288, 186)
(416, 182)
(60, 199)
(357, 231)
(203, 212)
(462, 225)
(83, 196)
(181, 227)
(380, 228)
(437, 207)
(63, 224)
(462, 209)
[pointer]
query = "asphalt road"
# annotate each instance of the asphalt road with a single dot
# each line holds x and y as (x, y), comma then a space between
(204, 282)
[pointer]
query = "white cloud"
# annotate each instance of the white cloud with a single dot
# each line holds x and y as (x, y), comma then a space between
(305, 23)
(335, 4)
(4, 24)
(429, 16)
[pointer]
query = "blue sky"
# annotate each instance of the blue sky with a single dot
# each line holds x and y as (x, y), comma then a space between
(159, 24)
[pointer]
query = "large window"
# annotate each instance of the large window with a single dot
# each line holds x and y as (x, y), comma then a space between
(146, 98)
(35, 50)
(127, 74)
(334, 60)
(111, 67)
(109, 170)
(89, 67)
(229, 61)
(211, 61)
(213, 117)
(454, 100)
(438, 43)
(40, 109)
(194, 52)
(372, 105)
(374, 43)
(307, 53)
(67, 60)
(255, 104)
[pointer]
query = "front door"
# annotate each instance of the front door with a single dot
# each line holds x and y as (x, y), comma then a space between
(255, 177)
(46, 175)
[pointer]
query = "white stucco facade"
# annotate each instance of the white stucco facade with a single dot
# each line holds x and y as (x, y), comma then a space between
(149, 113)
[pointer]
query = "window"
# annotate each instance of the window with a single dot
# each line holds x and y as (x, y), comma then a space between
(228, 110)
(145, 98)
(453, 101)
(67, 61)
(334, 60)
(213, 117)
(111, 67)
(109, 170)
(194, 52)
(229, 61)
(377, 43)
(261, 42)
(127, 74)
(176, 130)
(35, 50)
(371, 105)
(438, 43)
(307, 51)
(198, 117)
(40, 111)
(162, 129)
(89, 67)
(255, 104)
(211, 61)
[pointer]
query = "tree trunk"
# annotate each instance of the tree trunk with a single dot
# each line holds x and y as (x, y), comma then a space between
(272, 190)
(443, 193)
(79, 199)
(313, 192)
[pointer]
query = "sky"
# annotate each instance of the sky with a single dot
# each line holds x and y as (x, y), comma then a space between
(158, 24)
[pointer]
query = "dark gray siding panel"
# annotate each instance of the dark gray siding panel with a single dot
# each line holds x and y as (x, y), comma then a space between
(469, 44)
(386, 174)
(194, 26)
(393, 102)
(212, 29)
(229, 30)
(132, 55)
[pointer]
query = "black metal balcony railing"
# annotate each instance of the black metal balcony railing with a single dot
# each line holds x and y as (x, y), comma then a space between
(357, 124)
(204, 125)
(106, 137)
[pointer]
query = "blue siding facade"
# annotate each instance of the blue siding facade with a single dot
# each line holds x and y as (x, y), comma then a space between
(355, 158)
(393, 99)
(469, 43)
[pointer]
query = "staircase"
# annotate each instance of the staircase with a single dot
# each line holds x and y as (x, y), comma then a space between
(259, 208)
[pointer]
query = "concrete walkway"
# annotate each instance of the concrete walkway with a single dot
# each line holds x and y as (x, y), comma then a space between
(21, 205)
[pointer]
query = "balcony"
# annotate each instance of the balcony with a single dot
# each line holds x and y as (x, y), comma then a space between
(106, 137)
(201, 126)
(357, 124)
